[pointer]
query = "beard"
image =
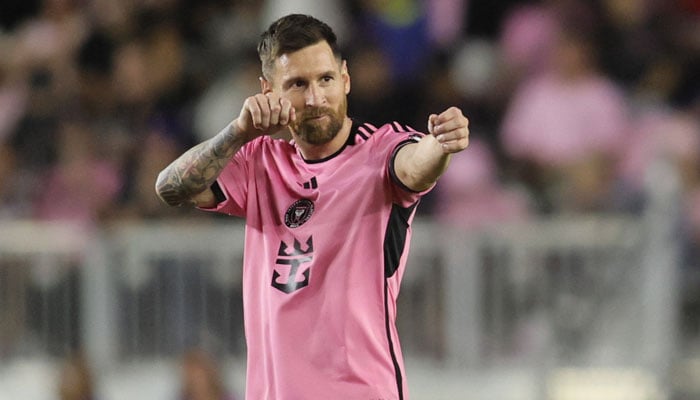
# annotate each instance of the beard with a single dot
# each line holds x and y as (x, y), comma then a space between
(317, 131)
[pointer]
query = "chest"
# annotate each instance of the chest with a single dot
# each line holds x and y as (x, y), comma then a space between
(347, 184)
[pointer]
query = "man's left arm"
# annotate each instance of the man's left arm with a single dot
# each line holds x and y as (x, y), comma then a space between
(419, 165)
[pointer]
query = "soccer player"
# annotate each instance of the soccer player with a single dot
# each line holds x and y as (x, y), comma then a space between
(328, 216)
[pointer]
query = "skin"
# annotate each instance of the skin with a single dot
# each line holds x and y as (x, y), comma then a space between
(306, 94)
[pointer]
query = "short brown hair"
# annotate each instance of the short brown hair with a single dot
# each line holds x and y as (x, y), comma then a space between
(291, 33)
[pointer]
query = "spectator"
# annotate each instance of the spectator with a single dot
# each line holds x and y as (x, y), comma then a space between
(13, 99)
(673, 136)
(567, 125)
(632, 41)
(470, 195)
(399, 30)
(79, 187)
(14, 191)
(371, 96)
(76, 380)
(201, 379)
(332, 11)
(138, 200)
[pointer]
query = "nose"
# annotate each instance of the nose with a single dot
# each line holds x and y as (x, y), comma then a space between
(314, 95)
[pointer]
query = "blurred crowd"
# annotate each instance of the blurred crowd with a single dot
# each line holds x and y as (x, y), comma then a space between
(569, 101)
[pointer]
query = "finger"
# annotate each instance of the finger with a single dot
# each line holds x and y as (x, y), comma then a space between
(432, 120)
(447, 127)
(264, 105)
(452, 129)
(251, 105)
(285, 112)
(454, 146)
(449, 121)
(450, 113)
(452, 136)
(275, 108)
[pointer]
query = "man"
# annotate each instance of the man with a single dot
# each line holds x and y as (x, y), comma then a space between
(327, 219)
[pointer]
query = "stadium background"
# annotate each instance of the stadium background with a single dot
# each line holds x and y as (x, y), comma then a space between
(558, 258)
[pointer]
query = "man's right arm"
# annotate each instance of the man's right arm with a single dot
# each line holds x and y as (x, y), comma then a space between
(188, 179)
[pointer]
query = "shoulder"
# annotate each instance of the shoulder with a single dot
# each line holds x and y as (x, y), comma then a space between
(267, 144)
(255, 151)
(365, 131)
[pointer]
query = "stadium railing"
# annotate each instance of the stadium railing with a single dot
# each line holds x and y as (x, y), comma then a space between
(574, 301)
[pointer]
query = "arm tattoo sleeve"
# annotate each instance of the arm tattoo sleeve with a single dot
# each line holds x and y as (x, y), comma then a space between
(195, 170)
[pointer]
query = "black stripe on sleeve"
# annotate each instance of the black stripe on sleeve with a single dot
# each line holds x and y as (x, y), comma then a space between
(392, 170)
(370, 128)
(398, 127)
(218, 193)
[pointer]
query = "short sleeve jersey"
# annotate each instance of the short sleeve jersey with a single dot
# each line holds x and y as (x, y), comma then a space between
(325, 249)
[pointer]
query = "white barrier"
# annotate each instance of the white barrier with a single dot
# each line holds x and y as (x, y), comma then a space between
(546, 301)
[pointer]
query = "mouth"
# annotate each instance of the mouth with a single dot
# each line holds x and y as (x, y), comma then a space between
(317, 117)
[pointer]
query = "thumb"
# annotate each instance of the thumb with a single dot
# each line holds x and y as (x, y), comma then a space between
(432, 120)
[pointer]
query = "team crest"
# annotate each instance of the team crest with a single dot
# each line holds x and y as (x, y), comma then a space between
(298, 213)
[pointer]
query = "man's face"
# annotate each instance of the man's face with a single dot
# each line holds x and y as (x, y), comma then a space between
(317, 84)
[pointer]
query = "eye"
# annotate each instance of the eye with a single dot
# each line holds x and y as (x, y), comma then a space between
(327, 80)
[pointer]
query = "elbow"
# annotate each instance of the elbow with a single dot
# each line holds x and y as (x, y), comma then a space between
(422, 186)
(167, 190)
(414, 182)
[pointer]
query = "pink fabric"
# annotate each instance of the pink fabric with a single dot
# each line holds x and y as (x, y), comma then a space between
(528, 34)
(470, 196)
(445, 20)
(692, 208)
(557, 122)
(332, 336)
(42, 38)
(658, 133)
(470, 169)
(13, 101)
(78, 192)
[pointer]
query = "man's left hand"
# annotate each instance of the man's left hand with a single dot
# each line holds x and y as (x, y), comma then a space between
(451, 129)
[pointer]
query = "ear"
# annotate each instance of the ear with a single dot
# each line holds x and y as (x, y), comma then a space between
(346, 76)
(265, 85)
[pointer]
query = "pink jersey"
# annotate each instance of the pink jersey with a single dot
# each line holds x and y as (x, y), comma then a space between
(325, 250)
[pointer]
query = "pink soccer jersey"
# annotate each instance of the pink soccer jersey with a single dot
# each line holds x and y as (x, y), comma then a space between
(325, 250)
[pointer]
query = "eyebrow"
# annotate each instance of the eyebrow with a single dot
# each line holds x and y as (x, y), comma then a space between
(287, 82)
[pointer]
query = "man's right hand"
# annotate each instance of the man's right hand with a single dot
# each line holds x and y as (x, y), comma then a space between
(265, 114)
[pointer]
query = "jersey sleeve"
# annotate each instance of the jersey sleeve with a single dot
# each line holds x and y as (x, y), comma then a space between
(231, 187)
(394, 139)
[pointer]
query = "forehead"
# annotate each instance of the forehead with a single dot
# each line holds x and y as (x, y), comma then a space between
(310, 60)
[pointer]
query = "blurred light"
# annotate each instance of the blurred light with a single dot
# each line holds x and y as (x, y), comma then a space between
(603, 384)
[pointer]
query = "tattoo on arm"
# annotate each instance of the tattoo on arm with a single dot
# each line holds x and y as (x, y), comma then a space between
(195, 170)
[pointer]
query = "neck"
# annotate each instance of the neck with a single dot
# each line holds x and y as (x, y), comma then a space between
(313, 152)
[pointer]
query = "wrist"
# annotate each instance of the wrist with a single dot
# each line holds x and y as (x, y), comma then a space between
(238, 134)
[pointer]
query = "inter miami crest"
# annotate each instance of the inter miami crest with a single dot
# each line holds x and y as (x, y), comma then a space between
(298, 213)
